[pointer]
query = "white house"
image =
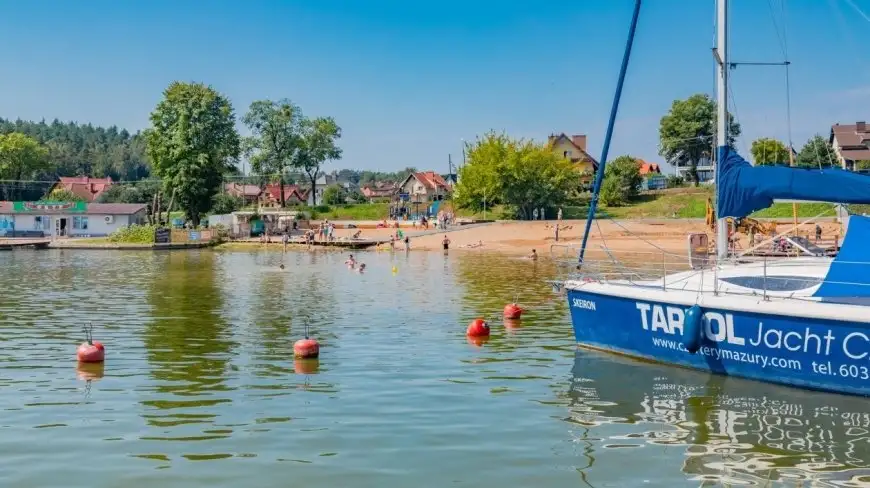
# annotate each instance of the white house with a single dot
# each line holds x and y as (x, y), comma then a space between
(67, 219)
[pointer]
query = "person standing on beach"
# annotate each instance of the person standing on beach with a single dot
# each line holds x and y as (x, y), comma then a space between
(559, 214)
(285, 239)
(407, 244)
(535, 214)
(446, 243)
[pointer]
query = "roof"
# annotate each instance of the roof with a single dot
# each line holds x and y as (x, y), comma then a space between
(84, 186)
(852, 140)
(69, 208)
(243, 190)
(647, 168)
(584, 156)
(378, 190)
(273, 192)
(430, 180)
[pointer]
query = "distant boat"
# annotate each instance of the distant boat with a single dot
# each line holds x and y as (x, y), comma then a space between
(802, 322)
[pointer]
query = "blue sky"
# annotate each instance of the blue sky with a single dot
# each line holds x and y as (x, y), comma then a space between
(408, 80)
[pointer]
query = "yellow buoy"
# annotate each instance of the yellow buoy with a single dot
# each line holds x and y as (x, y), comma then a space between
(395, 270)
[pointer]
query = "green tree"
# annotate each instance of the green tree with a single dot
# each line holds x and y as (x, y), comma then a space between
(277, 132)
(141, 192)
(536, 177)
(63, 195)
(621, 181)
(318, 145)
(192, 142)
(21, 157)
(478, 178)
(333, 195)
(224, 203)
(817, 153)
(862, 165)
(766, 151)
(686, 132)
(519, 173)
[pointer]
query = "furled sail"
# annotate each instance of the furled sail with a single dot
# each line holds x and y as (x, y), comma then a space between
(743, 188)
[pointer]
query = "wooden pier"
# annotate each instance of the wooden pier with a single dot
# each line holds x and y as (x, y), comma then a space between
(12, 243)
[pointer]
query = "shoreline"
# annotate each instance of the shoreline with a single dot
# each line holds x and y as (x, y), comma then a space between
(651, 236)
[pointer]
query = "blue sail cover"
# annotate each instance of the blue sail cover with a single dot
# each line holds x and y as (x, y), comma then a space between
(743, 188)
(849, 274)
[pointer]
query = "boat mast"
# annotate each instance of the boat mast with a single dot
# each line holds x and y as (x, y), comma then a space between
(614, 108)
(721, 54)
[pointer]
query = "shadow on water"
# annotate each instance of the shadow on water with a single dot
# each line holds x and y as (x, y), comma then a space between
(730, 432)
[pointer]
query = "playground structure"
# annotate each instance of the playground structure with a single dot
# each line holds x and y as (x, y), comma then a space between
(788, 244)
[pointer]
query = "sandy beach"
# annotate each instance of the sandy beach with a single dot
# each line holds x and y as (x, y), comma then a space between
(520, 237)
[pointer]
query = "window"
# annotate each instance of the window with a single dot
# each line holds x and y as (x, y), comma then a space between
(41, 222)
(567, 154)
(774, 283)
(80, 223)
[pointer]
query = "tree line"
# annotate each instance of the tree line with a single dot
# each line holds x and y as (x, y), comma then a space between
(190, 147)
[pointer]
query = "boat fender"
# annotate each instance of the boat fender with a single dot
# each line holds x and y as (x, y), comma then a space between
(692, 328)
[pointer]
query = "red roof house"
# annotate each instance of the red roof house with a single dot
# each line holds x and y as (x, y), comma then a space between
(293, 195)
(89, 189)
(647, 169)
(426, 186)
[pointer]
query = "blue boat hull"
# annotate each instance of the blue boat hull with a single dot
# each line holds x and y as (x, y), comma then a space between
(824, 355)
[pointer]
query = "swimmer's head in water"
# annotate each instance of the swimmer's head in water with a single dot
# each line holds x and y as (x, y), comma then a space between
(281, 266)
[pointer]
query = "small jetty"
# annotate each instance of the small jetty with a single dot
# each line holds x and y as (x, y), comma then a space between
(12, 243)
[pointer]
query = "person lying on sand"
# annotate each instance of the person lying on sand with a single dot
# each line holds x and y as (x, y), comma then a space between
(474, 246)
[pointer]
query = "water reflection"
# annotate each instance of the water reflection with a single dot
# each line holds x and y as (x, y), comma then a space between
(731, 432)
(187, 342)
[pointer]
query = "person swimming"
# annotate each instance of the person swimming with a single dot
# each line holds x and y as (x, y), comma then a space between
(281, 266)
(533, 256)
(351, 262)
(362, 267)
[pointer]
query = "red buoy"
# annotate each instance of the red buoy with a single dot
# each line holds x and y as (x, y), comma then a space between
(512, 311)
(91, 352)
(477, 328)
(306, 348)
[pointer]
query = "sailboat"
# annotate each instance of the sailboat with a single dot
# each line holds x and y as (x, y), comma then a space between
(803, 322)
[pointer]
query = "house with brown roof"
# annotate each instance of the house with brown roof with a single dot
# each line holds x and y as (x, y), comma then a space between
(574, 149)
(293, 195)
(85, 187)
(67, 219)
(851, 143)
(425, 186)
(249, 193)
(381, 191)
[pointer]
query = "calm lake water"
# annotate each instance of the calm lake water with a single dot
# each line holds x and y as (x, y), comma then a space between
(200, 387)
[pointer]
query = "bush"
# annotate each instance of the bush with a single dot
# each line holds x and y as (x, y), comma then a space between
(224, 203)
(64, 195)
(621, 181)
(675, 181)
(134, 234)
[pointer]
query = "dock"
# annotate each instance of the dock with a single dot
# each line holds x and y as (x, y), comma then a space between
(12, 243)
